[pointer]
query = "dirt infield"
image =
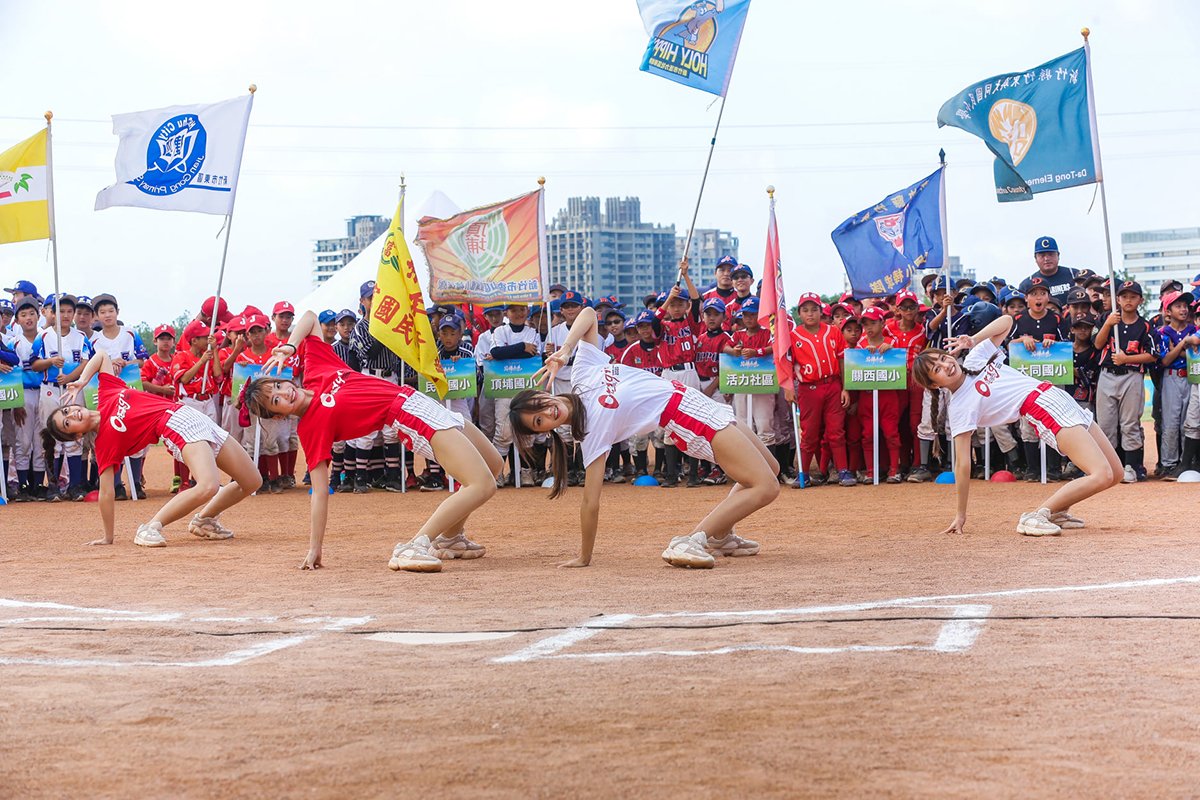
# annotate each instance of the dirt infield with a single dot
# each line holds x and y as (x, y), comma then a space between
(865, 656)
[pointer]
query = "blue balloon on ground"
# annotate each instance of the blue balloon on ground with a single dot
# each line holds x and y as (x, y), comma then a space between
(330, 490)
(945, 477)
(548, 483)
(645, 480)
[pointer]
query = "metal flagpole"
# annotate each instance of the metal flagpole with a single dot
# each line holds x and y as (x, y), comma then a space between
(228, 225)
(987, 454)
(1091, 95)
(403, 449)
(132, 493)
(257, 442)
(949, 290)
(53, 230)
(712, 145)
(875, 436)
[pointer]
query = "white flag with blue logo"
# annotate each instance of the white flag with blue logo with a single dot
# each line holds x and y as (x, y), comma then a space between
(181, 158)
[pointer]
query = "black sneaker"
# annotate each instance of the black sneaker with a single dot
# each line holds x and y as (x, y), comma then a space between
(393, 484)
(816, 479)
(434, 483)
(361, 484)
(76, 493)
(140, 490)
(1171, 475)
(346, 486)
(920, 475)
(693, 481)
(120, 494)
(846, 478)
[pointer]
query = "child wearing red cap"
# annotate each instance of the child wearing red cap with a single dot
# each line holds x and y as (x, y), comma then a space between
(909, 332)
(877, 339)
(196, 374)
(282, 315)
(680, 318)
(816, 351)
(156, 380)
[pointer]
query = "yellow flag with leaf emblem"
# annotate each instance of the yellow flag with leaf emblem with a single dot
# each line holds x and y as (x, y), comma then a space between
(398, 318)
(24, 210)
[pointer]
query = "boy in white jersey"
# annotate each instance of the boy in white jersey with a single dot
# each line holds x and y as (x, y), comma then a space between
(28, 458)
(569, 304)
(511, 341)
(124, 347)
(61, 366)
(985, 392)
(609, 403)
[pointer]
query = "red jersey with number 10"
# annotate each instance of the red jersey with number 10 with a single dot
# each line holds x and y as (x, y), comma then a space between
(913, 340)
(678, 344)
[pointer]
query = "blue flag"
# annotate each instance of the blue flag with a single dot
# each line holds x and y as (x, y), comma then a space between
(693, 42)
(883, 245)
(1040, 125)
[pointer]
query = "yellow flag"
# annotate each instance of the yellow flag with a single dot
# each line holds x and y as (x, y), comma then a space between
(398, 318)
(24, 211)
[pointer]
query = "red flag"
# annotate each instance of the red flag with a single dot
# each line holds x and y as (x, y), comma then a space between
(773, 311)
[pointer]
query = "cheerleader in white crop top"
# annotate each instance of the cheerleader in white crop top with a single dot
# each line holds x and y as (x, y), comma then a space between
(985, 392)
(609, 403)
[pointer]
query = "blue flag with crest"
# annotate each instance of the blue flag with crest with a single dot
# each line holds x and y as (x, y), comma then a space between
(693, 42)
(883, 245)
(1039, 123)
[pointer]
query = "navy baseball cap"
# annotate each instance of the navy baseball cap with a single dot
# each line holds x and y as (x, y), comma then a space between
(62, 298)
(743, 268)
(366, 289)
(660, 298)
(345, 313)
(23, 286)
(749, 306)
(1130, 286)
(536, 308)
(1045, 244)
(570, 296)
(327, 316)
(1014, 295)
(998, 281)
(714, 302)
(631, 323)
(727, 261)
(614, 312)
(6, 305)
(495, 307)
(450, 321)
(684, 294)
(557, 286)
(646, 317)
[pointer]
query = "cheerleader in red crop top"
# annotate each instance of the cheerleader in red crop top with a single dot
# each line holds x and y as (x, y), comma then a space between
(126, 422)
(336, 404)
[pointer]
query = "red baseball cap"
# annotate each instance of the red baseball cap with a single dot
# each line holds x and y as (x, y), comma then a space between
(906, 295)
(250, 311)
(846, 297)
(1175, 297)
(826, 310)
(874, 313)
(809, 297)
(283, 307)
(236, 325)
(849, 309)
(195, 328)
(161, 329)
(256, 321)
(206, 310)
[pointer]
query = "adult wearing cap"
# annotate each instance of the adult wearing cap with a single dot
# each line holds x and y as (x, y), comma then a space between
(723, 275)
(21, 290)
(60, 368)
(1177, 334)
(1058, 280)
(377, 456)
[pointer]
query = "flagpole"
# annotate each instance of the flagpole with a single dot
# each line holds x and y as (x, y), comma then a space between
(228, 225)
(53, 230)
(949, 290)
(403, 449)
(1112, 277)
(712, 145)
(778, 323)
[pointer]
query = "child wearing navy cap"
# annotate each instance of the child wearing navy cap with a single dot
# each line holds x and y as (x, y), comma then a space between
(511, 341)
(29, 461)
(1120, 395)
(1176, 454)
(755, 411)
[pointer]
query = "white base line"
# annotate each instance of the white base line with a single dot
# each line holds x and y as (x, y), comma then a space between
(227, 660)
(956, 635)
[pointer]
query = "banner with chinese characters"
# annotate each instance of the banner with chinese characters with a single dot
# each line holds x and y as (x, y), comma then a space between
(1193, 365)
(486, 255)
(508, 377)
(248, 372)
(863, 370)
(12, 391)
(461, 377)
(131, 374)
(1054, 363)
(693, 42)
(743, 375)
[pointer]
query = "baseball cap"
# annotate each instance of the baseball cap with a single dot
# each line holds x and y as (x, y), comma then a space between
(367, 288)
(251, 310)
(164, 330)
(826, 311)
(235, 325)
(193, 330)
(809, 297)
(556, 287)
(847, 297)
(499, 307)
(99, 300)
(749, 306)
(1036, 282)
(631, 323)
(1082, 275)
(26, 302)
(849, 309)
(1095, 280)
(1131, 286)
(713, 302)
(1083, 319)
(1174, 297)
(29, 288)
(614, 312)
(6, 305)
(998, 281)
(570, 296)
(1055, 301)
(1168, 286)
(327, 316)
(984, 286)
(1078, 295)
(727, 261)
(743, 268)
(68, 299)
(646, 316)
(601, 301)
(849, 321)
(874, 313)
(1045, 244)
(536, 308)
(206, 309)
(83, 301)
(345, 313)
(1014, 295)
(257, 321)
(908, 296)
(283, 307)
(450, 321)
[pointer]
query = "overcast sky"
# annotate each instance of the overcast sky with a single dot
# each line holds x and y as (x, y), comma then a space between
(833, 103)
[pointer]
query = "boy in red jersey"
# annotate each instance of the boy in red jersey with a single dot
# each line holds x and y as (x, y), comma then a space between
(645, 354)
(910, 334)
(878, 340)
(816, 351)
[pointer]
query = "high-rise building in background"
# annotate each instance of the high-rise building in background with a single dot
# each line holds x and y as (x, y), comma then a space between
(1152, 257)
(709, 246)
(611, 251)
(330, 255)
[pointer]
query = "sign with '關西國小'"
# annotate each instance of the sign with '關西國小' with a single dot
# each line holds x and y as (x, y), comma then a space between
(864, 370)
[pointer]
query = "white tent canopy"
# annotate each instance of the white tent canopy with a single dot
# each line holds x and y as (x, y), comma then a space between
(341, 289)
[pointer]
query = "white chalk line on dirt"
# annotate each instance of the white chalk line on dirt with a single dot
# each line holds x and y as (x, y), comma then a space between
(955, 636)
(83, 614)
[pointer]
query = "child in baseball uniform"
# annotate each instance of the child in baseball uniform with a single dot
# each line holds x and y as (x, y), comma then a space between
(1120, 394)
(60, 367)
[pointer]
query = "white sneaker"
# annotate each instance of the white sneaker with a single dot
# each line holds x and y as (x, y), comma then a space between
(526, 476)
(208, 528)
(731, 545)
(688, 551)
(414, 556)
(1065, 519)
(1130, 475)
(150, 535)
(456, 547)
(1037, 523)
